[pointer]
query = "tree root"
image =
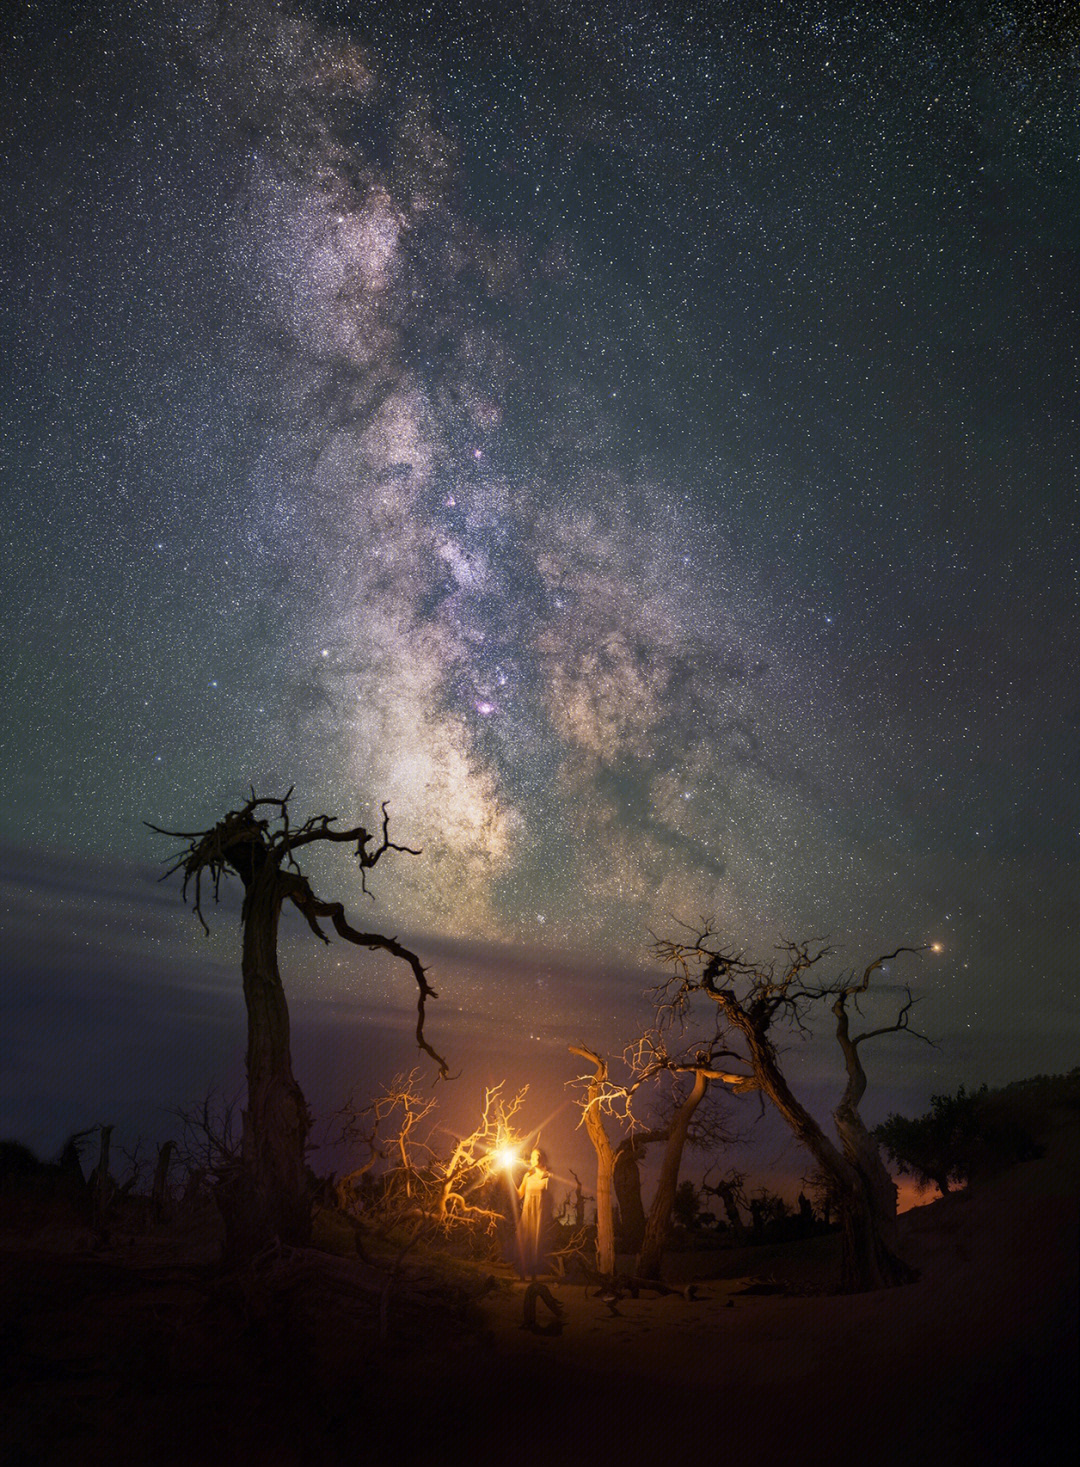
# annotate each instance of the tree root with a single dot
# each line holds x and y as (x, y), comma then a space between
(541, 1293)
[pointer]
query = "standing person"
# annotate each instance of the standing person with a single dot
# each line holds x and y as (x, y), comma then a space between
(534, 1229)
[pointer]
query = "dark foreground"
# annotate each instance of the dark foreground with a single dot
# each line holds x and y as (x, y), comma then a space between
(135, 1357)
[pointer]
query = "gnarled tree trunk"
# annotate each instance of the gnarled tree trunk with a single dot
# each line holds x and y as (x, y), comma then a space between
(867, 1260)
(658, 1226)
(727, 1191)
(627, 1179)
(159, 1190)
(267, 1196)
(605, 1161)
(270, 1196)
(861, 1151)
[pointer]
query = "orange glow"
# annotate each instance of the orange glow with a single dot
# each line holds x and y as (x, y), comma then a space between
(505, 1156)
(935, 947)
(910, 1194)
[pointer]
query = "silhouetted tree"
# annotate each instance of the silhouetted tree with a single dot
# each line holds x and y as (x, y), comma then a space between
(859, 1146)
(981, 1130)
(160, 1200)
(686, 1207)
(925, 1147)
(806, 1213)
(749, 1000)
(101, 1182)
(769, 1211)
(268, 1195)
(32, 1191)
(626, 1177)
(757, 1216)
(729, 1188)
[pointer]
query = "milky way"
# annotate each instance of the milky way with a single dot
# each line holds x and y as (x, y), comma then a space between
(641, 450)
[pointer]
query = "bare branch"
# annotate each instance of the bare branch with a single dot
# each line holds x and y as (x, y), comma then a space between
(318, 828)
(901, 1024)
(752, 999)
(879, 962)
(303, 898)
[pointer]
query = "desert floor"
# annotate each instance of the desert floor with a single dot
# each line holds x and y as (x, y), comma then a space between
(122, 1358)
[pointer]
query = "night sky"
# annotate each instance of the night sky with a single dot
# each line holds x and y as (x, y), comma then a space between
(638, 442)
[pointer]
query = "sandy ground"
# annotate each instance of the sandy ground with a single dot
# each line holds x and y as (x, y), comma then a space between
(973, 1365)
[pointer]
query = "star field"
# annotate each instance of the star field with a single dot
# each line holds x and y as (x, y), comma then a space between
(639, 443)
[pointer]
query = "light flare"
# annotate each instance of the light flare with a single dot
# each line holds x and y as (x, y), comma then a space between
(505, 1157)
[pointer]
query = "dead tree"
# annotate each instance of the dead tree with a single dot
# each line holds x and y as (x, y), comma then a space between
(650, 1059)
(597, 1100)
(462, 1177)
(658, 1223)
(269, 1195)
(160, 1201)
(750, 999)
(406, 1180)
(647, 1059)
(381, 1131)
(859, 1146)
(729, 1189)
(575, 1201)
(102, 1185)
(707, 1132)
(629, 1154)
(208, 1150)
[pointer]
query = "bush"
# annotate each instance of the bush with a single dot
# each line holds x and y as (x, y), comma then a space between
(964, 1135)
(686, 1206)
